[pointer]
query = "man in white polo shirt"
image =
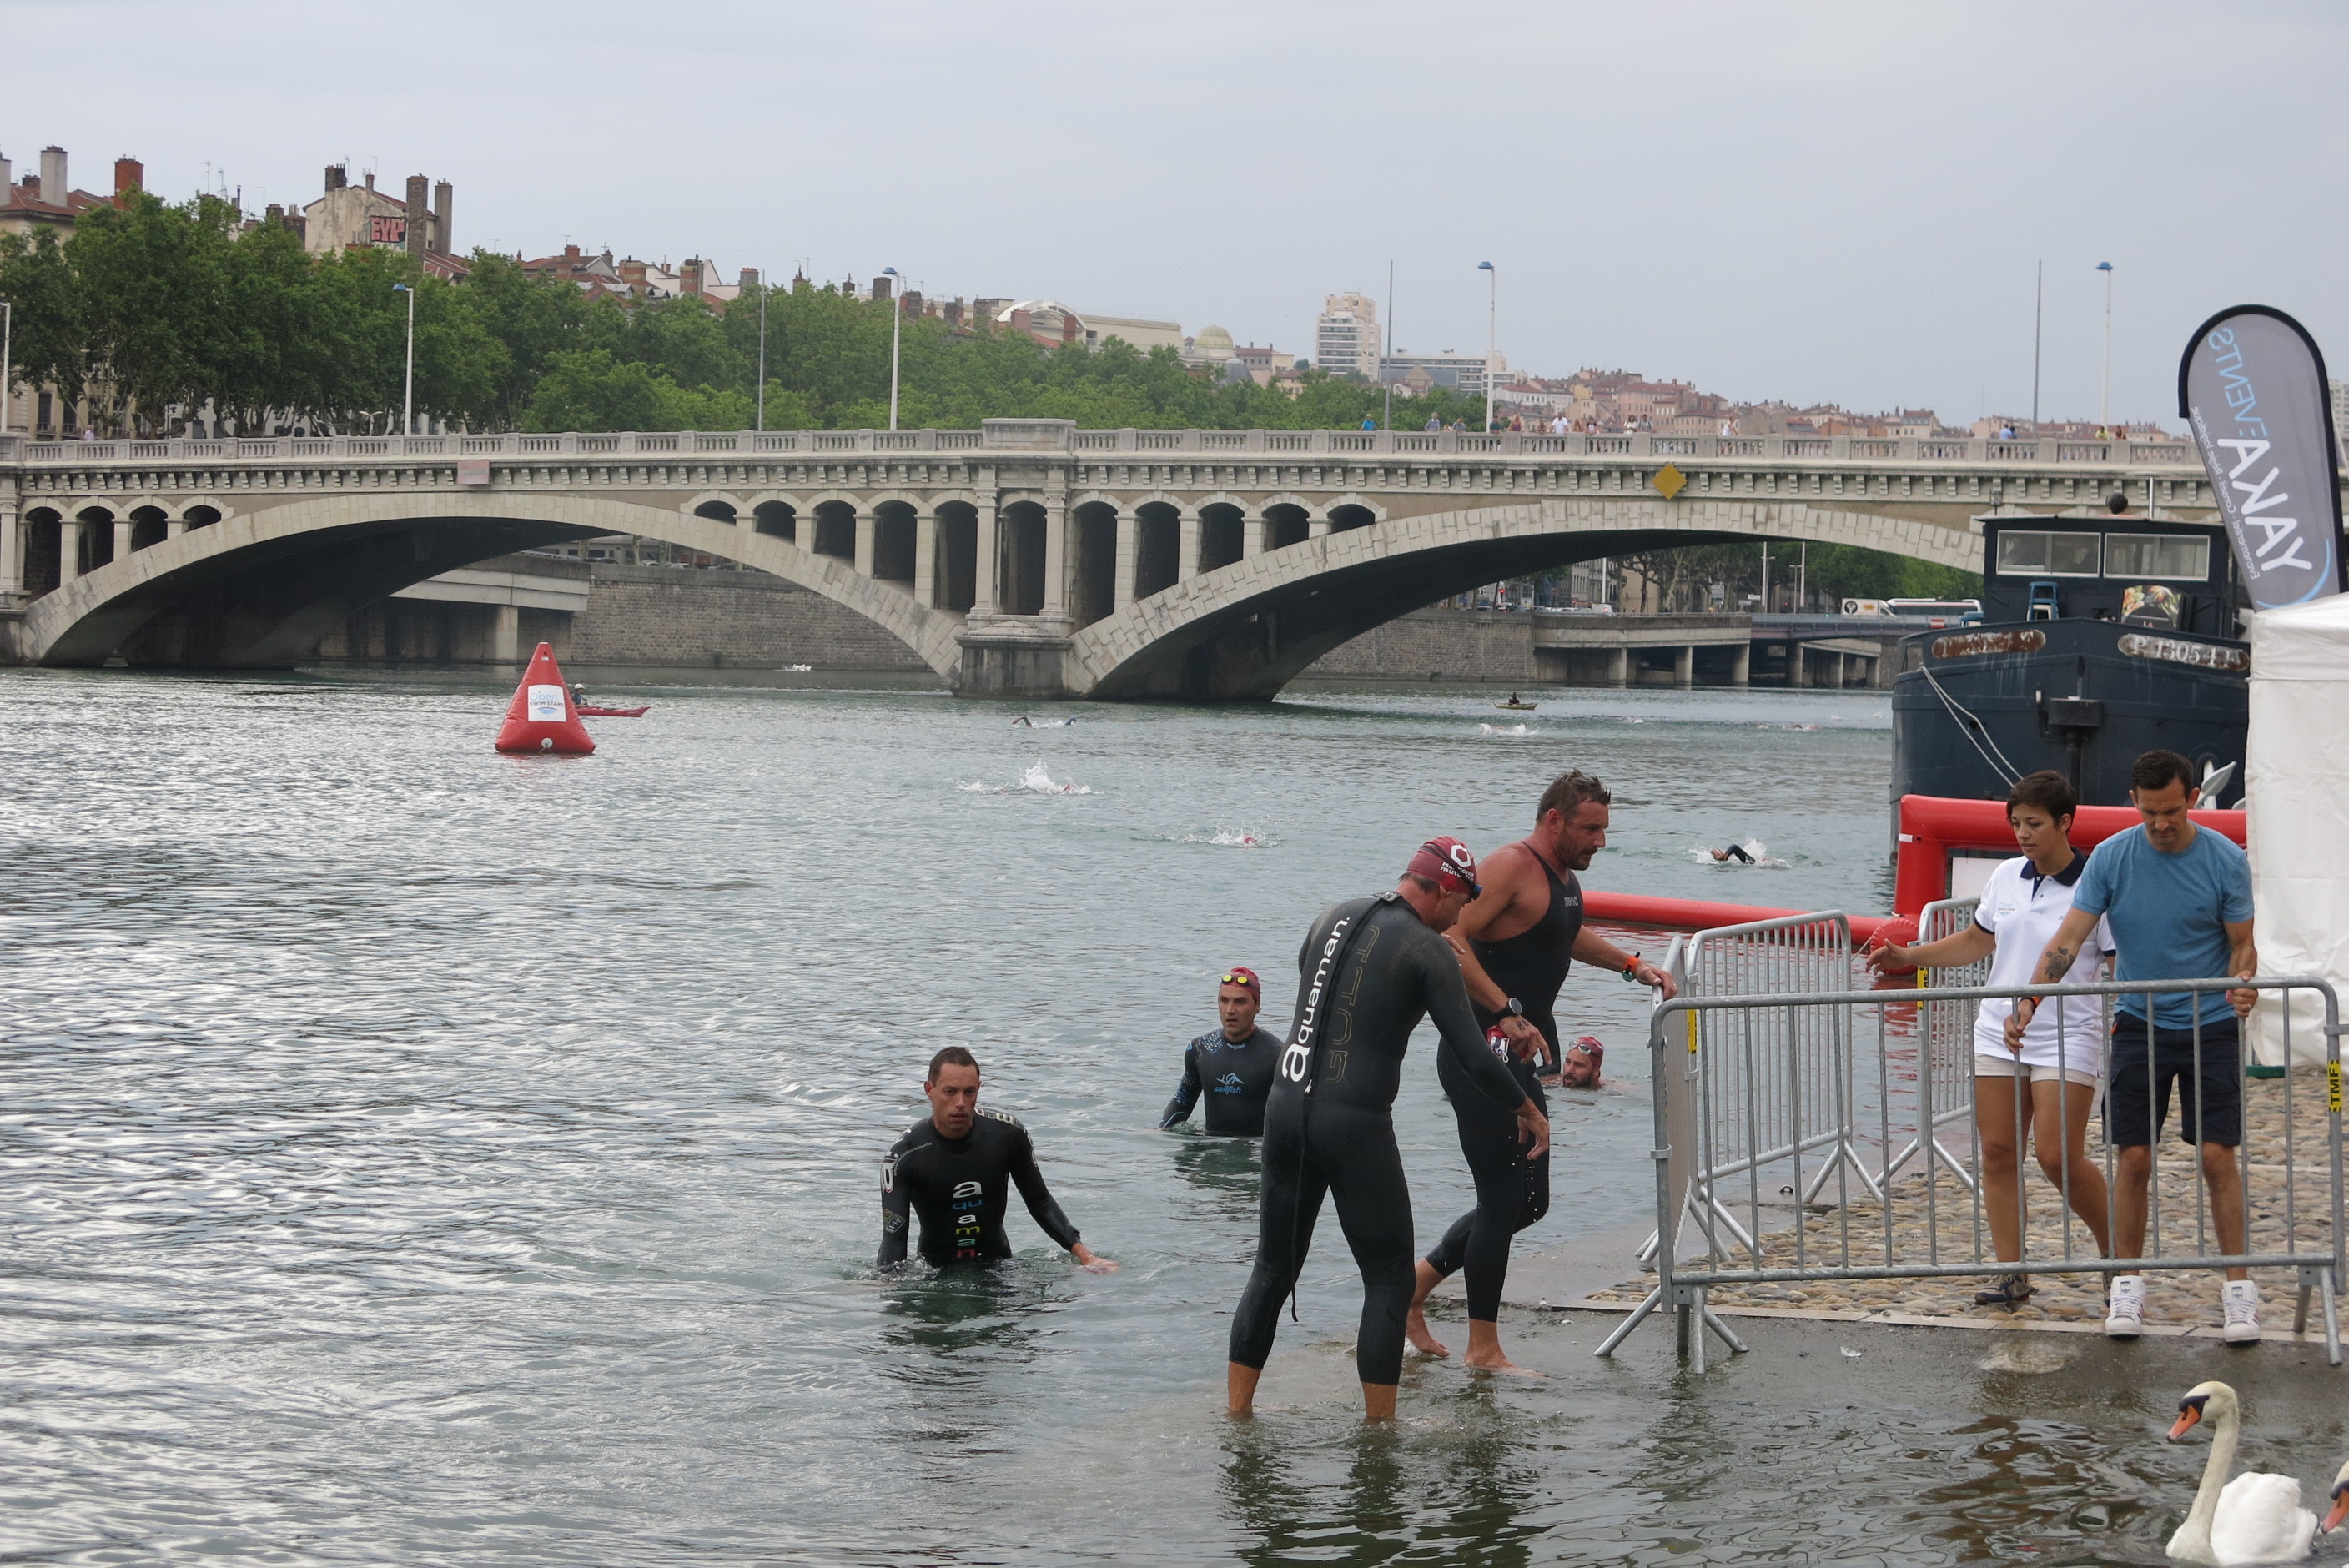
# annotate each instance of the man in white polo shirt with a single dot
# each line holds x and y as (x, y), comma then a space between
(2047, 1079)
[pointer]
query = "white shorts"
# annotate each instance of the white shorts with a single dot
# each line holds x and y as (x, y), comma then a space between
(2004, 1068)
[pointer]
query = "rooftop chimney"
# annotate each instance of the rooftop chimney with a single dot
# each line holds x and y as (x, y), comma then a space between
(52, 176)
(130, 176)
(750, 278)
(444, 207)
(337, 176)
(419, 215)
(8, 182)
(688, 275)
(881, 288)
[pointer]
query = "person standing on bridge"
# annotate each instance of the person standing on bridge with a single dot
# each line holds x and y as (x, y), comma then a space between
(1369, 970)
(1515, 946)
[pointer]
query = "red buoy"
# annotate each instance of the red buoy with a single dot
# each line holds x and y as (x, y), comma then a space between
(541, 720)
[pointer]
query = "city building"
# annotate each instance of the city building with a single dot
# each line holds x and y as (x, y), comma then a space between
(361, 217)
(1264, 364)
(1466, 373)
(1346, 337)
(47, 200)
(1146, 333)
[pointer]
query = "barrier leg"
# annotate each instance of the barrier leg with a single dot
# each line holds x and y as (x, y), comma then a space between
(1623, 1330)
(1713, 1320)
(1693, 1318)
(2332, 1321)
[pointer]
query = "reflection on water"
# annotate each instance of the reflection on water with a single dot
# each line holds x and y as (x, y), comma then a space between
(417, 1155)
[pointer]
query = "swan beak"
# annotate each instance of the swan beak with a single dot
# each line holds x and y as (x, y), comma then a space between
(2340, 1512)
(2186, 1420)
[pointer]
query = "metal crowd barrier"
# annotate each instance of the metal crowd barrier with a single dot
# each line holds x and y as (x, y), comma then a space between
(1945, 1070)
(1704, 1073)
(1793, 1094)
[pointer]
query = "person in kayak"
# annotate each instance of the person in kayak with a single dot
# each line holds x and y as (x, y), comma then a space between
(954, 1171)
(1515, 946)
(1369, 970)
(1232, 1065)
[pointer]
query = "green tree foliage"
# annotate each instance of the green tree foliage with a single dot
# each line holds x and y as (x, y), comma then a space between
(156, 312)
(1830, 572)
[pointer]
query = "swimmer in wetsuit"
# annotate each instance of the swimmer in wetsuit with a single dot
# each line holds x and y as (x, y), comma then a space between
(1514, 946)
(1232, 1065)
(1370, 969)
(1735, 852)
(954, 1170)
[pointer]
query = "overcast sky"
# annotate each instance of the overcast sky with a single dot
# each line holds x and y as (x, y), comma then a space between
(1811, 201)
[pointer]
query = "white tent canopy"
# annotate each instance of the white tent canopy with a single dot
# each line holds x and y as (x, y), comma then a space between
(2299, 812)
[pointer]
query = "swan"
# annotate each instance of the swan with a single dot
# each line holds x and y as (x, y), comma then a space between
(2340, 1501)
(2253, 1518)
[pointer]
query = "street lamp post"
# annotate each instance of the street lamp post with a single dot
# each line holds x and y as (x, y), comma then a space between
(897, 335)
(2105, 411)
(408, 382)
(1492, 329)
(762, 350)
(7, 364)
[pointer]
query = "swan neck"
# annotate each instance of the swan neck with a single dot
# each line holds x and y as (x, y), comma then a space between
(2222, 1463)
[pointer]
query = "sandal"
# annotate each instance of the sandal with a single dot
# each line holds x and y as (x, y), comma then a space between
(2010, 1291)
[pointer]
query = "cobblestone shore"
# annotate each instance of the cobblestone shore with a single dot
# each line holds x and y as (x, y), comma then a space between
(1940, 1221)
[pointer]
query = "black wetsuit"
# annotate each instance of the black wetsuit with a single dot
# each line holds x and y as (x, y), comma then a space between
(960, 1187)
(1737, 852)
(1235, 1076)
(1333, 1131)
(1512, 1191)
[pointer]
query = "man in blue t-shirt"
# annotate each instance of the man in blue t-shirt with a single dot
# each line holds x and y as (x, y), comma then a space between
(2177, 899)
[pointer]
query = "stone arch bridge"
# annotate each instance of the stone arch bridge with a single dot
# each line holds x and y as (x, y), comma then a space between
(1026, 557)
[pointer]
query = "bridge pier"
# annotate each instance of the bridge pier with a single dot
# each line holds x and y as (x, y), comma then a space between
(989, 574)
(11, 551)
(1685, 665)
(68, 549)
(927, 565)
(1741, 666)
(1619, 667)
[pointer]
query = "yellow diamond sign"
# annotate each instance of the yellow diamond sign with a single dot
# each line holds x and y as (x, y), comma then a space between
(1670, 481)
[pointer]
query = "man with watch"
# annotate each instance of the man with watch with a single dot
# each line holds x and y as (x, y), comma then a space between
(1514, 944)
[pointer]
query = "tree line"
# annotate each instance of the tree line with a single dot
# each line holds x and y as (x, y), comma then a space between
(153, 311)
(152, 314)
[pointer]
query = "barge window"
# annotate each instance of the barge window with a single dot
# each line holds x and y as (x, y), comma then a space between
(2036, 554)
(2141, 555)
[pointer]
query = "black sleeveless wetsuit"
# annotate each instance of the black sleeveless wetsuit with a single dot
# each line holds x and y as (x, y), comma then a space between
(1235, 1076)
(960, 1187)
(1339, 1137)
(1512, 1191)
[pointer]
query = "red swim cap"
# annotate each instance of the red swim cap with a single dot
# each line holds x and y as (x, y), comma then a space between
(1238, 975)
(1590, 1046)
(1448, 862)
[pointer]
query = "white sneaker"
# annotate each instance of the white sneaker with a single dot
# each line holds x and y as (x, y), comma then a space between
(2240, 1298)
(2125, 1314)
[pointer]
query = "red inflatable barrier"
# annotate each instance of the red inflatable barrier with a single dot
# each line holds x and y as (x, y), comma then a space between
(1931, 826)
(541, 720)
(1703, 914)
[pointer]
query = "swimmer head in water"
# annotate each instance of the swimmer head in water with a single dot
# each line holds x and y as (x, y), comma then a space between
(1580, 1067)
(1440, 881)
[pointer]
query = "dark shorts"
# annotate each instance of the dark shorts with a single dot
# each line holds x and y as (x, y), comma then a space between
(2210, 1102)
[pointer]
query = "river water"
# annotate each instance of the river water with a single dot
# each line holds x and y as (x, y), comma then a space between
(414, 1155)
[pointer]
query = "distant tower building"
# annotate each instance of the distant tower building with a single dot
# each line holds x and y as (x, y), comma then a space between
(1346, 337)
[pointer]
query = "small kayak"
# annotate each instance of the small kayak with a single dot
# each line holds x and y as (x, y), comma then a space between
(587, 712)
(1504, 706)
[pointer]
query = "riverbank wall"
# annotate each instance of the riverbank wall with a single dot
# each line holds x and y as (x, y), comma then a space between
(614, 623)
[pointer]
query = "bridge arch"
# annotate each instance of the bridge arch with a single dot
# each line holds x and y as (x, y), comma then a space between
(1247, 630)
(274, 580)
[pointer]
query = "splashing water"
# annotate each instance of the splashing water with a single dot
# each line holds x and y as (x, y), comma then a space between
(1231, 837)
(1504, 729)
(1036, 781)
(1702, 854)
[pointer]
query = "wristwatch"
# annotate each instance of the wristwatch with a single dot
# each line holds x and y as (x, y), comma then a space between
(1514, 1007)
(1631, 970)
